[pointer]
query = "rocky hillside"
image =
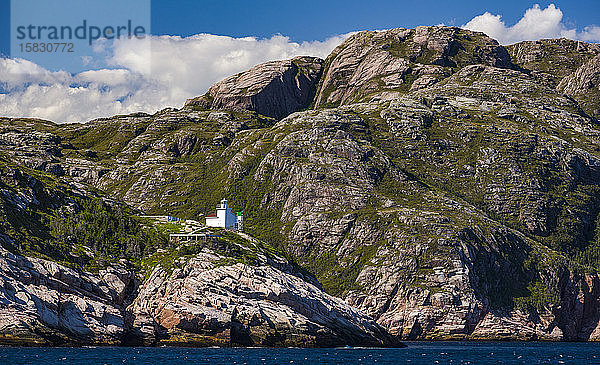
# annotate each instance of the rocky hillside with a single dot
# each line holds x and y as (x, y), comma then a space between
(213, 301)
(94, 274)
(440, 183)
(203, 296)
(570, 66)
(391, 63)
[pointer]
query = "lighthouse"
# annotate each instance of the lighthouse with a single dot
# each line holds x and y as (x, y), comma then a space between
(225, 218)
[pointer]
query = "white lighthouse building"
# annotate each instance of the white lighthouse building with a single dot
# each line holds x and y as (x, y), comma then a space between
(225, 218)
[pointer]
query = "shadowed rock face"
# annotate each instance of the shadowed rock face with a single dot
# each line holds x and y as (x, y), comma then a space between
(368, 64)
(274, 89)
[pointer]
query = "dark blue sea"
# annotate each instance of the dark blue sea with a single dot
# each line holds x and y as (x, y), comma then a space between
(415, 353)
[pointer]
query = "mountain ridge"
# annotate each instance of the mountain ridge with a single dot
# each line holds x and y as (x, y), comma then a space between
(445, 197)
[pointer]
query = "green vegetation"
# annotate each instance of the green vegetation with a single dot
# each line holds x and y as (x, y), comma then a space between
(338, 278)
(93, 232)
(232, 247)
(59, 224)
(557, 57)
(543, 295)
(103, 234)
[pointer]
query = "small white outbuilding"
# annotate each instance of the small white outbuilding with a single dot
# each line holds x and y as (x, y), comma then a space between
(225, 218)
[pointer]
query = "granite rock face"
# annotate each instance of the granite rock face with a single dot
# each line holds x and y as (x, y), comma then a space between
(38, 149)
(274, 89)
(203, 304)
(240, 305)
(584, 86)
(44, 303)
(554, 57)
(387, 63)
(570, 66)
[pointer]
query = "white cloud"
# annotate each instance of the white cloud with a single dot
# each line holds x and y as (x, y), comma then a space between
(132, 76)
(590, 33)
(16, 72)
(535, 24)
(140, 78)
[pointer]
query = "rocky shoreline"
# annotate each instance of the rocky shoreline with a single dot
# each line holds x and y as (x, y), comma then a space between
(202, 304)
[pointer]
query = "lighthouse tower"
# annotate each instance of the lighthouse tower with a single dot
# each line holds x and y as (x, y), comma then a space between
(224, 217)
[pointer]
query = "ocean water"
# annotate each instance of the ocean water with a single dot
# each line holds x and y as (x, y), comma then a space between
(415, 353)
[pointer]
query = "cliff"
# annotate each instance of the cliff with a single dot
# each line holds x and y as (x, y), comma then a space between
(275, 89)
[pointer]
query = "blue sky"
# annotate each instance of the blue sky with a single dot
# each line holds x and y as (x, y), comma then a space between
(197, 43)
(316, 20)
(309, 20)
